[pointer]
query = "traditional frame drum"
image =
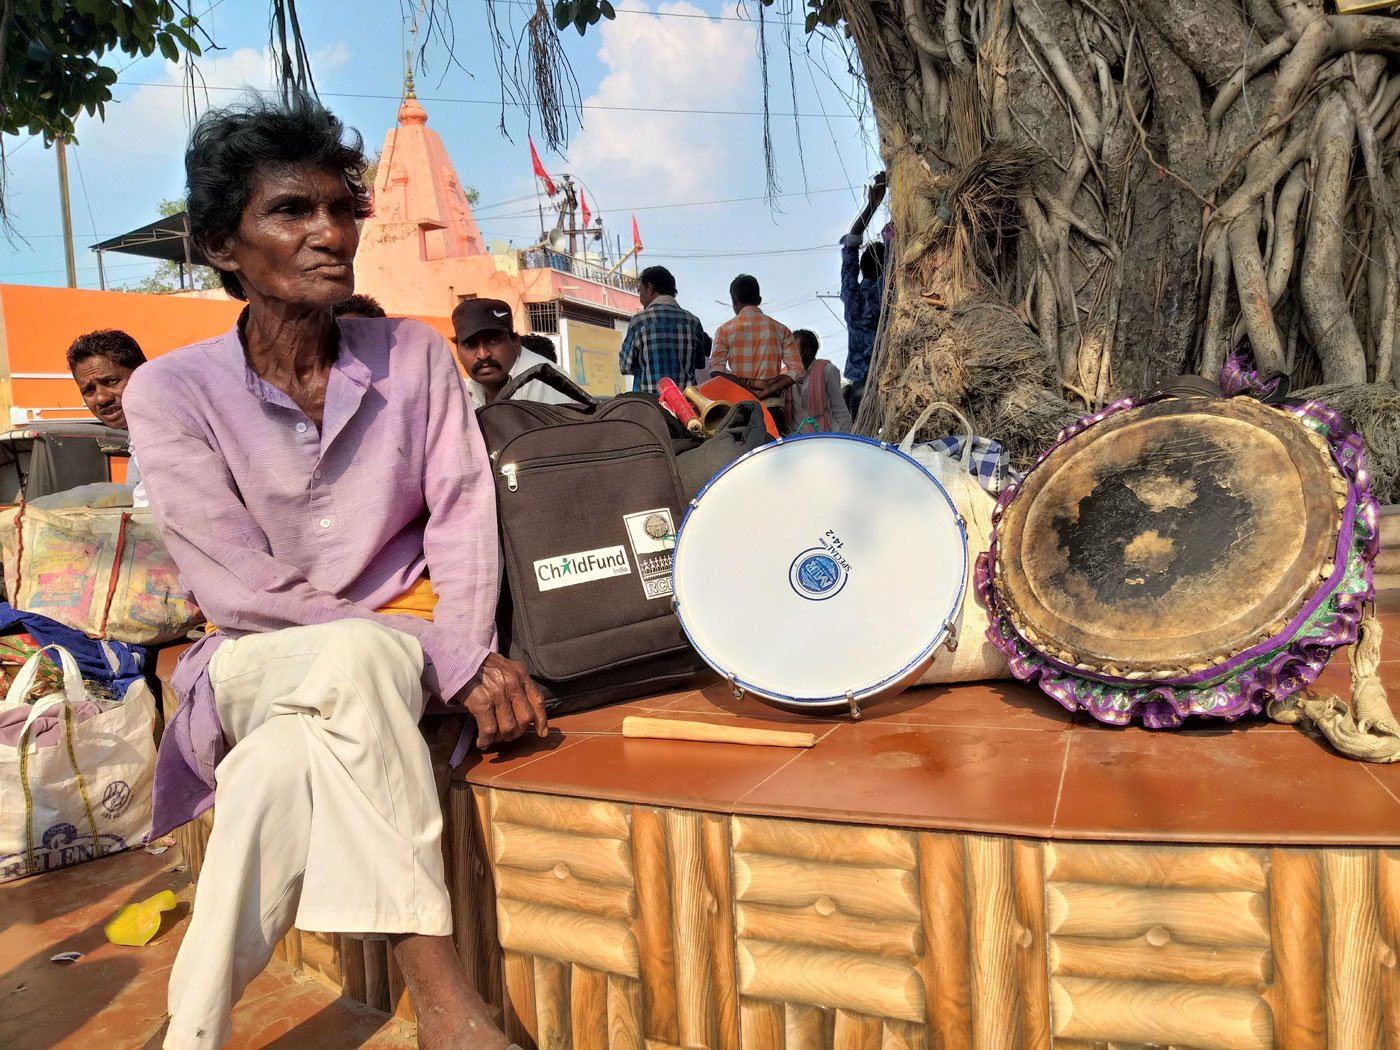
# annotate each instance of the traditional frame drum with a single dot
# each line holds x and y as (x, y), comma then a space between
(1184, 556)
(820, 571)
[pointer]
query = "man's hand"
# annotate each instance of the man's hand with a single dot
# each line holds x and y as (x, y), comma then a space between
(876, 192)
(503, 701)
(774, 386)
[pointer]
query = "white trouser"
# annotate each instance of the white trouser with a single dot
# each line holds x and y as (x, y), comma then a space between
(325, 811)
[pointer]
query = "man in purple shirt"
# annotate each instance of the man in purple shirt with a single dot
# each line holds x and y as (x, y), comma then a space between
(326, 494)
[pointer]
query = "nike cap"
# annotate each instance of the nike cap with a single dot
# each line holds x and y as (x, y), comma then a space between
(480, 315)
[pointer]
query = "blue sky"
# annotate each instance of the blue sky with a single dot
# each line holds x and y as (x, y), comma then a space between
(638, 151)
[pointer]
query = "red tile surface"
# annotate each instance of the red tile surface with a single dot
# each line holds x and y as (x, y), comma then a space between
(984, 705)
(999, 780)
(678, 773)
(113, 998)
(996, 756)
(1225, 785)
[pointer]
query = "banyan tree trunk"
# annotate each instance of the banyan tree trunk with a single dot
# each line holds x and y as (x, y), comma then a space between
(1128, 190)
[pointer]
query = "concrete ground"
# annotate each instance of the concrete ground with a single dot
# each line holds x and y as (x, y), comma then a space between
(113, 998)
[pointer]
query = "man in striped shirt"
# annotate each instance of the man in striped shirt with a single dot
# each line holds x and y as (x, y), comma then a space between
(752, 349)
(664, 341)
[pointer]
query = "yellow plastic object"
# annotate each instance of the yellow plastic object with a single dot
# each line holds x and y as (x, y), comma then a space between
(136, 924)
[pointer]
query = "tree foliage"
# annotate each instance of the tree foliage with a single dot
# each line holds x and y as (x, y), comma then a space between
(57, 55)
(56, 59)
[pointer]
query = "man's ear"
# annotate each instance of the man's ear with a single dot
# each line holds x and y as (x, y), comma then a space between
(218, 249)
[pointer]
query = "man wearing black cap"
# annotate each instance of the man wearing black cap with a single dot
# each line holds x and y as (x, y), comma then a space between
(491, 353)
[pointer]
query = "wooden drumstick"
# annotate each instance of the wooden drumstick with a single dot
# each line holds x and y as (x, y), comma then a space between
(672, 729)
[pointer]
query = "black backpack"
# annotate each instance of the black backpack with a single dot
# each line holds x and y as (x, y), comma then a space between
(589, 501)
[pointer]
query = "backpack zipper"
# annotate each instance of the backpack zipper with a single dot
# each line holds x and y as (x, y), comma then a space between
(511, 471)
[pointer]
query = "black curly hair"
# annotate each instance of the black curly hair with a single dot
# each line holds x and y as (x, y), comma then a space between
(116, 346)
(229, 146)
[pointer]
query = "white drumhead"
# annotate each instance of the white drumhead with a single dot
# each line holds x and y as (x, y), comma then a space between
(819, 566)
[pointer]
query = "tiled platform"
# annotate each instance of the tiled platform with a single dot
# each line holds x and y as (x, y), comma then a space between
(997, 757)
(113, 998)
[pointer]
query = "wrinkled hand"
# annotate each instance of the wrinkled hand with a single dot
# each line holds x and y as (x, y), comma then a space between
(503, 701)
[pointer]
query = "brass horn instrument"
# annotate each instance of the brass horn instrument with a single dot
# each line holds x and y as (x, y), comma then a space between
(711, 413)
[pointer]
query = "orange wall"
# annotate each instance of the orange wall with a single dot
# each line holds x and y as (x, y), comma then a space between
(38, 324)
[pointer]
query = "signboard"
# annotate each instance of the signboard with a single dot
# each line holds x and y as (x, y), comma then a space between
(590, 355)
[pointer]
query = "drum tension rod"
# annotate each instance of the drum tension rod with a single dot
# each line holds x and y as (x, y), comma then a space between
(855, 706)
(735, 688)
(951, 642)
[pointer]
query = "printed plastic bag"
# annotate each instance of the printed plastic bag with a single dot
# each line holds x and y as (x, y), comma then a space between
(76, 784)
(99, 570)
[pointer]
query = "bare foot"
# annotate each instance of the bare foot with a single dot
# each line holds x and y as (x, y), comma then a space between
(451, 1013)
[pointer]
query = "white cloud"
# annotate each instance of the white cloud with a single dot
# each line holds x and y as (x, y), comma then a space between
(160, 108)
(661, 62)
(124, 165)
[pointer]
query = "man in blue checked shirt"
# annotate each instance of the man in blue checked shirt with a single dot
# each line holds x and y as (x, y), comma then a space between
(664, 341)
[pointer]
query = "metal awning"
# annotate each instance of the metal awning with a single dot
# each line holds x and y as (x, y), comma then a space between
(167, 239)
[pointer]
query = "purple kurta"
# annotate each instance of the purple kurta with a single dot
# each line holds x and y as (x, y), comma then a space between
(274, 524)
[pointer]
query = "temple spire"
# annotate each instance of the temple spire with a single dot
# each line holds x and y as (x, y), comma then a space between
(412, 111)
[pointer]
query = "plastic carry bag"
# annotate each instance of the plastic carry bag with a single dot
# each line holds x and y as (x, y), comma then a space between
(99, 570)
(77, 782)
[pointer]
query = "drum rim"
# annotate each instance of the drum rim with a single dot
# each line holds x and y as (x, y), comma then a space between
(941, 636)
(1244, 689)
(1140, 669)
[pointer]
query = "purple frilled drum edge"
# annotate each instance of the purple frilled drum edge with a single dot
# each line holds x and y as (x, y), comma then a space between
(1172, 557)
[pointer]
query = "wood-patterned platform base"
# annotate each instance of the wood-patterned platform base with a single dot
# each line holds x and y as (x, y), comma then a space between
(605, 925)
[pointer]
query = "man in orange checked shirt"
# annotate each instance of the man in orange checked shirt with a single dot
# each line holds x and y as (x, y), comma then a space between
(754, 350)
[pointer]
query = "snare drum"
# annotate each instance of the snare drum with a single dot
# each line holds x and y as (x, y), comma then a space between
(820, 571)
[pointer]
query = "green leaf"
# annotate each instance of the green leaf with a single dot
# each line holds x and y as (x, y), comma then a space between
(167, 47)
(811, 21)
(186, 41)
(581, 22)
(609, 11)
(563, 13)
(594, 15)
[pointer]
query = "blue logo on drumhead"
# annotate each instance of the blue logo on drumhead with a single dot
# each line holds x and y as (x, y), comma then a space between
(816, 575)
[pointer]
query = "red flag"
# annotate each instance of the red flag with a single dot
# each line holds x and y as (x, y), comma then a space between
(540, 173)
(587, 215)
(636, 237)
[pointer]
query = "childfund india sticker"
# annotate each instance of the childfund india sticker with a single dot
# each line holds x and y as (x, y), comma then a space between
(567, 570)
(653, 537)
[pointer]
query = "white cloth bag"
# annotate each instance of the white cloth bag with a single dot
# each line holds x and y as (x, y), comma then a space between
(85, 794)
(975, 658)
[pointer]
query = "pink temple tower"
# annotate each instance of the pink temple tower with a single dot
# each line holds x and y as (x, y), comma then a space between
(421, 251)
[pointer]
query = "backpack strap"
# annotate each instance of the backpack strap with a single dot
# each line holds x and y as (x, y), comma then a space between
(550, 377)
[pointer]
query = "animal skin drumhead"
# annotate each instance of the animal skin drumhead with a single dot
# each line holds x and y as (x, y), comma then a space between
(1169, 537)
(819, 566)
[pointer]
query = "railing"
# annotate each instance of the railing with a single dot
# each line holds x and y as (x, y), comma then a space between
(546, 259)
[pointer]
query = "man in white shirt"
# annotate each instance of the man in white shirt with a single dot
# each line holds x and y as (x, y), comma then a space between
(490, 351)
(101, 363)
